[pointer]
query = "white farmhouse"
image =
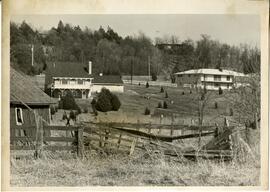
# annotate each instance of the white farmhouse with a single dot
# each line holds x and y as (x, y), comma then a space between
(65, 76)
(212, 79)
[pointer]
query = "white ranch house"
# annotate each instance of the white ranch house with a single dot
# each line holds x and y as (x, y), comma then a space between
(212, 79)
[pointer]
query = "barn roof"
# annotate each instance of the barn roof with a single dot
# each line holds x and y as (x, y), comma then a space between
(107, 79)
(211, 72)
(22, 89)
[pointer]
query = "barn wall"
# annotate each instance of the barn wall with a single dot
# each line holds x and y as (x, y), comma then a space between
(28, 118)
(112, 88)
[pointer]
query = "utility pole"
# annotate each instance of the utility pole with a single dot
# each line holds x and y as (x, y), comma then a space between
(149, 68)
(131, 71)
(32, 50)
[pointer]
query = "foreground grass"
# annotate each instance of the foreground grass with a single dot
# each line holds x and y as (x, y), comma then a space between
(141, 169)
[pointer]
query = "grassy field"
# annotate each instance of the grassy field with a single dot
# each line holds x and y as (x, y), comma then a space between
(144, 167)
(184, 107)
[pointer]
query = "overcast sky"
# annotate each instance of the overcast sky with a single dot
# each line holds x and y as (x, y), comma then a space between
(231, 29)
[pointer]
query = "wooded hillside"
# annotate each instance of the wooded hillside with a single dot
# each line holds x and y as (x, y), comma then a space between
(112, 54)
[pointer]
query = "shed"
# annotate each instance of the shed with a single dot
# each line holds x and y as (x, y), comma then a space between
(112, 82)
(24, 92)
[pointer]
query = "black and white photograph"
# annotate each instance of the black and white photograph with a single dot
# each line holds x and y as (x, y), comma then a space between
(135, 100)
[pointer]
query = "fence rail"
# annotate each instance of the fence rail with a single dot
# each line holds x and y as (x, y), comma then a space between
(38, 138)
(119, 135)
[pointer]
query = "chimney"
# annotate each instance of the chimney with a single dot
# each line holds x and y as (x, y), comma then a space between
(90, 68)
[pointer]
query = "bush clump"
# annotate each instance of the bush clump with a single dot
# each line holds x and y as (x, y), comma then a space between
(231, 112)
(166, 95)
(161, 90)
(52, 109)
(216, 105)
(107, 101)
(165, 105)
(68, 102)
(147, 84)
(64, 117)
(147, 111)
(183, 93)
(220, 91)
(72, 115)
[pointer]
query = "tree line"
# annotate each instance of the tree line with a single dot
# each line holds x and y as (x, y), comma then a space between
(111, 53)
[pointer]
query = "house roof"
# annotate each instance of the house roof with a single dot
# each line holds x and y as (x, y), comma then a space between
(22, 89)
(211, 72)
(107, 79)
(67, 69)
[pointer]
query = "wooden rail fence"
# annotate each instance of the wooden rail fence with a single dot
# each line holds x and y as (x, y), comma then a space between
(37, 141)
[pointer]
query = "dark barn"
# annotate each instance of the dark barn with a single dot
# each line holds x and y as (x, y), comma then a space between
(23, 93)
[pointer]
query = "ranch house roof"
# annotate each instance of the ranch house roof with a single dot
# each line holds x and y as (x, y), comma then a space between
(211, 72)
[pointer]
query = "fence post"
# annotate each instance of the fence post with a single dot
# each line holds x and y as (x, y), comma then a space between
(149, 128)
(172, 125)
(80, 146)
(216, 130)
(100, 138)
(106, 136)
(256, 121)
(119, 140)
(39, 136)
(160, 122)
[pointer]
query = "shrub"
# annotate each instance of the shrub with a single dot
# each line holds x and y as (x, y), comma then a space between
(52, 109)
(165, 106)
(69, 102)
(220, 91)
(72, 115)
(166, 95)
(64, 117)
(183, 93)
(159, 105)
(147, 84)
(147, 111)
(190, 92)
(161, 90)
(93, 103)
(115, 102)
(79, 111)
(216, 105)
(107, 101)
(154, 76)
(231, 112)
(85, 110)
(139, 84)
(104, 101)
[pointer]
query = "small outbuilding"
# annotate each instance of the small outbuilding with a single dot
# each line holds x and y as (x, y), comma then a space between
(23, 93)
(112, 82)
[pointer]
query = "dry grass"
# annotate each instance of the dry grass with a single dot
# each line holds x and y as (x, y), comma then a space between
(141, 169)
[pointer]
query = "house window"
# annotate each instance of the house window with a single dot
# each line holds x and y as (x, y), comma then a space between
(216, 85)
(80, 81)
(19, 116)
(217, 78)
(228, 78)
(64, 81)
(228, 86)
